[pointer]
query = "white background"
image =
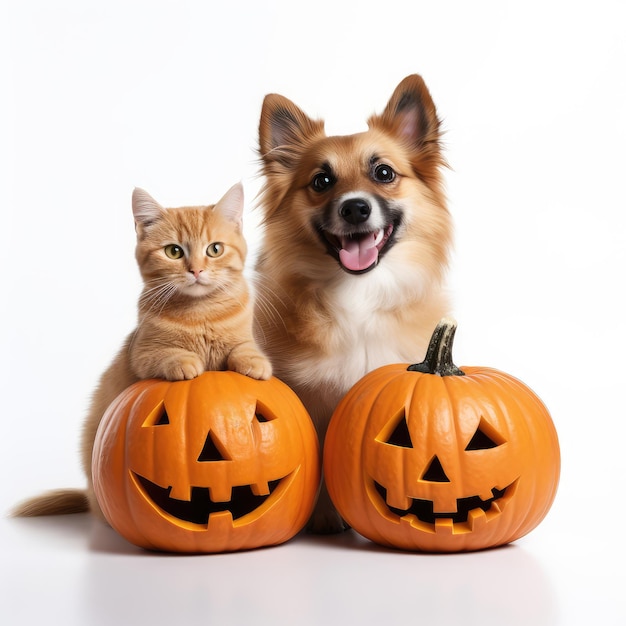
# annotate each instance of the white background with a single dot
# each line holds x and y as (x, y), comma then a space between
(99, 97)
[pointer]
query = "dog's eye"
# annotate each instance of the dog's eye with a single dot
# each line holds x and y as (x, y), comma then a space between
(322, 181)
(383, 173)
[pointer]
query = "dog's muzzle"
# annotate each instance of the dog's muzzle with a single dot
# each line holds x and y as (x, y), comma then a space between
(355, 211)
(360, 236)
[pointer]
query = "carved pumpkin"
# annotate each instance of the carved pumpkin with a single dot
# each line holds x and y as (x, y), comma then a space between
(219, 463)
(430, 457)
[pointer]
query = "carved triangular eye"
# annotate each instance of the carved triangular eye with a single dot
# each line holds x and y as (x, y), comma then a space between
(484, 438)
(163, 418)
(262, 414)
(400, 435)
(210, 451)
(157, 417)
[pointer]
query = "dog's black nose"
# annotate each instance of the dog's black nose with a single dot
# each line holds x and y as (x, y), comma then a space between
(355, 211)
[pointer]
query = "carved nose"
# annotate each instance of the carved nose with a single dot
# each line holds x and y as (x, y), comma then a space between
(210, 451)
(435, 473)
(355, 211)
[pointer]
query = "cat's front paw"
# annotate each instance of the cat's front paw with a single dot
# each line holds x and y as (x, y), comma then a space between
(183, 368)
(253, 365)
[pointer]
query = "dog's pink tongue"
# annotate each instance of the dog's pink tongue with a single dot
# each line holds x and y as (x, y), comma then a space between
(358, 254)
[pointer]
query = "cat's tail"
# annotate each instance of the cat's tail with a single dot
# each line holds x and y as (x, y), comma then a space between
(57, 502)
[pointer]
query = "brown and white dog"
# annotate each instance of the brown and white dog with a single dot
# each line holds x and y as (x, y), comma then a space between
(355, 248)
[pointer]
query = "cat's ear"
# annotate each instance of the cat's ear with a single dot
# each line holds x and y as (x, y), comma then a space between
(146, 209)
(231, 204)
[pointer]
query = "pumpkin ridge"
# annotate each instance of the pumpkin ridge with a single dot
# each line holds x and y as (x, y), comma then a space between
(144, 390)
(426, 388)
(516, 406)
(527, 403)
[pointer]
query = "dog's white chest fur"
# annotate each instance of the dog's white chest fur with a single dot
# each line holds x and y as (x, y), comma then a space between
(362, 336)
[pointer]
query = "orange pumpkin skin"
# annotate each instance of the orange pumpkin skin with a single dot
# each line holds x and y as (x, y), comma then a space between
(163, 447)
(441, 463)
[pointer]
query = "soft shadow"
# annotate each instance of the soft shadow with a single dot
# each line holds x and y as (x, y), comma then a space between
(315, 579)
(69, 531)
(103, 539)
(470, 587)
(352, 540)
(78, 530)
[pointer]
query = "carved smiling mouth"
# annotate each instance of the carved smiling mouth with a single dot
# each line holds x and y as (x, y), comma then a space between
(358, 252)
(200, 506)
(466, 508)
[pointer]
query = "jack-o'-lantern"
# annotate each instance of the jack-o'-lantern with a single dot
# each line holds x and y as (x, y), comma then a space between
(435, 458)
(219, 463)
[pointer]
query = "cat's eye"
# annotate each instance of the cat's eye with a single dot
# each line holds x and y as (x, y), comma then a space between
(215, 249)
(174, 251)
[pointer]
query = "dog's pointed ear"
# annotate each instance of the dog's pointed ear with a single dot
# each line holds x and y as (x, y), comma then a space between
(410, 114)
(284, 130)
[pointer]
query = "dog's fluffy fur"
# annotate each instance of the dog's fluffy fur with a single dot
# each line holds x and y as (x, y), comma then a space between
(355, 247)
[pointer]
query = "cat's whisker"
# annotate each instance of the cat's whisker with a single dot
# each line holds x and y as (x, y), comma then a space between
(226, 287)
(268, 308)
(157, 297)
(265, 297)
(260, 283)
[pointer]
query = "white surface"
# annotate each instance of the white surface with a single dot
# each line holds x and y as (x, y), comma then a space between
(83, 573)
(101, 97)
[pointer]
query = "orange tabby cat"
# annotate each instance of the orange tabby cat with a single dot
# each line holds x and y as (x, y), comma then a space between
(195, 314)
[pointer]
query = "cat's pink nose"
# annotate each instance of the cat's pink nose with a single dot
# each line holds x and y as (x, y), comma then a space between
(196, 273)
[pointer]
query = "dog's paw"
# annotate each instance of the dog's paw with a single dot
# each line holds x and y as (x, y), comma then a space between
(326, 523)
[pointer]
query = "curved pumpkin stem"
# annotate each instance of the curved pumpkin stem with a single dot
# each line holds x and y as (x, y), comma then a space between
(439, 354)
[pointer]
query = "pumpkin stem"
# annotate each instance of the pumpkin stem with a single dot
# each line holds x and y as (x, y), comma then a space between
(439, 354)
